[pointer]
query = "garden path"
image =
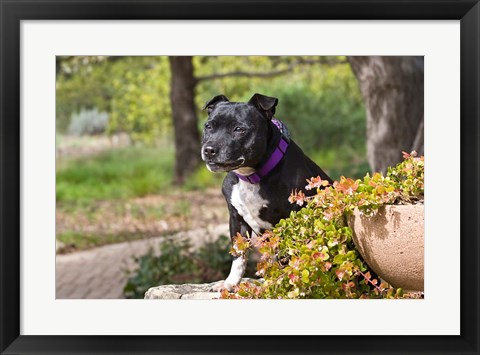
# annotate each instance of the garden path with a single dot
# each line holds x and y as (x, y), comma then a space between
(101, 272)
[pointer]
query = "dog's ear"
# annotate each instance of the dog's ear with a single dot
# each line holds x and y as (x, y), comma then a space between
(265, 104)
(212, 102)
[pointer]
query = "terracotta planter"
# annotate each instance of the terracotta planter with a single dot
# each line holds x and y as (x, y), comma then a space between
(392, 243)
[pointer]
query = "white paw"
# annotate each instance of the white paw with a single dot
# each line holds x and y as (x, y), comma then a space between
(223, 285)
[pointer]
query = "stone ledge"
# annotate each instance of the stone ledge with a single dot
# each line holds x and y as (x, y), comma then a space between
(184, 292)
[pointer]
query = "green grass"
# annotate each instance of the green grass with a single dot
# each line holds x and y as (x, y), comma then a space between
(203, 178)
(123, 173)
(119, 173)
(141, 171)
(84, 240)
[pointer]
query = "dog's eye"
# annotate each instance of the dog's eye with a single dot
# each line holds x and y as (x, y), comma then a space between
(239, 130)
(208, 125)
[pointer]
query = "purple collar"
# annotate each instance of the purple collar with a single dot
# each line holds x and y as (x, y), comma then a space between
(271, 163)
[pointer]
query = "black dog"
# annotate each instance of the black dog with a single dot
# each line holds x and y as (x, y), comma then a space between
(263, 165)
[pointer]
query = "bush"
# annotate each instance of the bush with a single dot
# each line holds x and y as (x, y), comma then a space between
(177, 264)
(88, 122)
(311, 254)
(321, 104)
(331, 117)
(140, 104)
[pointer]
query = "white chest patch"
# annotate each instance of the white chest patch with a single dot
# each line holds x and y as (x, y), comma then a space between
(248, 202)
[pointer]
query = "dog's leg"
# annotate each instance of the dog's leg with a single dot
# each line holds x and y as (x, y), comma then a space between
(237, 270)
(239, 263)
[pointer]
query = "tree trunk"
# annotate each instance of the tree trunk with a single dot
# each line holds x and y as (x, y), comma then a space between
(185, 122)
(392, 88)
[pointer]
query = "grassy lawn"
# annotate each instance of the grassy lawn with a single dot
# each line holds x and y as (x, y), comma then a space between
(127, 193)
(124, 173)
(141, 171)
(119, 173)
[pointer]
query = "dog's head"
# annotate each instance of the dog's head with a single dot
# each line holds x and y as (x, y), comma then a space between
(236, 134)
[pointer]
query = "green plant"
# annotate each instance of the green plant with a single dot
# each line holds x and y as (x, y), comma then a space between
(140, 104)
(321, 104)
(177, 263)
(113, 174)
(311, 253)
(172, 265)
(322, 117)
(88, 122)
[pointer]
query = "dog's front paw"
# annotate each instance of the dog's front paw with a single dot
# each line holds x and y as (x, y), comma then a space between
(223, 285)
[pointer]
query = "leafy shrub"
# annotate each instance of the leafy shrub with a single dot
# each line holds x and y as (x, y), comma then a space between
(132, 89)
(311, 254)
(331, 117)
(81, 82)
(140, 104)
(88, 122)
(321, 104)
(176, 263)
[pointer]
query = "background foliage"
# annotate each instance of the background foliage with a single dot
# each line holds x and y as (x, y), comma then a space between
(321, 103)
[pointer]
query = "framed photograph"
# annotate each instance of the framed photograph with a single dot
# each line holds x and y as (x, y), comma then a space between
(64, 189)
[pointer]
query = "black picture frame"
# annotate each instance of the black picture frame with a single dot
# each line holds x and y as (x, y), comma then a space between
(12, 12)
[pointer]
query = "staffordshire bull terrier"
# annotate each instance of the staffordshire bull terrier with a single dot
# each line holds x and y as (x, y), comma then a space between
(263, 165)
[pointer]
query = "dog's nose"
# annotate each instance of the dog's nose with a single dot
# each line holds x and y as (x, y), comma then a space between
(209, 151)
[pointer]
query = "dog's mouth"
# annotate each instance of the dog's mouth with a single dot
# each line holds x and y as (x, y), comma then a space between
(225, 166)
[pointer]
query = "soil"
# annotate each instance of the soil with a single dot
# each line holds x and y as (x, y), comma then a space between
(106, 222)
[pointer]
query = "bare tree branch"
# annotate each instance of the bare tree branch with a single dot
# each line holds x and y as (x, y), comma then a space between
(271, 73)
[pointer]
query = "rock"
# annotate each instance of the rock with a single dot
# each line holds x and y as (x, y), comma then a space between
(185, 291)
(178, 291)
(201, 296)
(392, 243)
